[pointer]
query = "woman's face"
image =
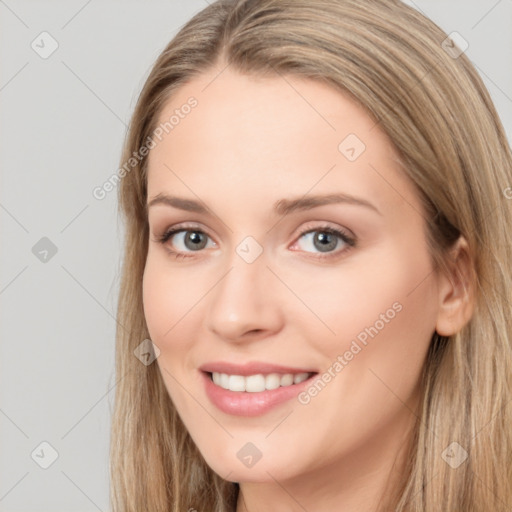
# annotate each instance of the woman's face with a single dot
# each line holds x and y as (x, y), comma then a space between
(261, 170)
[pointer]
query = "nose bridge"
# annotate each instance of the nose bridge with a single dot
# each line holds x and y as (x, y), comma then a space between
(242, 300)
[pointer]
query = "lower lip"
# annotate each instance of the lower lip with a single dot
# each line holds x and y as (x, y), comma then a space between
(241, 403)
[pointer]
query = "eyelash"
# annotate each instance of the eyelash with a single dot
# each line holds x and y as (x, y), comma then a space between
(348, 240)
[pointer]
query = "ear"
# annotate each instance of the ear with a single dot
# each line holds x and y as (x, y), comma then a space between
(456, 290)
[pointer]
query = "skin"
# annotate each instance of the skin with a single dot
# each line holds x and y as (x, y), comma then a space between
(248, 143)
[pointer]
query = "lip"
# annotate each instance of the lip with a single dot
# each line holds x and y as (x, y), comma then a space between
(251, 368)
(241, 403)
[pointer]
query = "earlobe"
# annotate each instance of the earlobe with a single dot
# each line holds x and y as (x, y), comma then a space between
(456, 290)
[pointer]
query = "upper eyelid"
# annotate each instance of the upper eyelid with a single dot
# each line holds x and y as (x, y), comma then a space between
(179, 228)
(318, 227)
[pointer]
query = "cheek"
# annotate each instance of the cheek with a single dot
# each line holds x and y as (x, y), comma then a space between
(168, 301)
(384, 317)
(169, 297)
(158, 305)
(352, 297)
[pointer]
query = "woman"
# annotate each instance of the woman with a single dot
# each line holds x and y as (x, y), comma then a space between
(316, 276)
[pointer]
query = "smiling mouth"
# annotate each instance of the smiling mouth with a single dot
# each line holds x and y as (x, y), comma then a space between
(259, 382)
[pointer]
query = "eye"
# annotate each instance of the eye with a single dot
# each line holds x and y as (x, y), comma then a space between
(326, 240)
(186, 240)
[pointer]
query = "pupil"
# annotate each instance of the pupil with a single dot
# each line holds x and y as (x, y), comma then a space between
(324, 237)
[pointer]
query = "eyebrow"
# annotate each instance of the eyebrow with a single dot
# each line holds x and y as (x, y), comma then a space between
(281, 207)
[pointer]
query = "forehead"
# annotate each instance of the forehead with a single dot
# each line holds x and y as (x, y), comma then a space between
(272, 137)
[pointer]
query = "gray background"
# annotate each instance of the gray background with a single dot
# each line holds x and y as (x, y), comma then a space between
(63, 122)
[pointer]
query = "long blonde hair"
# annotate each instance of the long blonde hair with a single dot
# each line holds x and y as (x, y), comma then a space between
(439, 115)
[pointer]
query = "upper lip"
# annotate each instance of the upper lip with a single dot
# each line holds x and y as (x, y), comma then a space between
(252, 368)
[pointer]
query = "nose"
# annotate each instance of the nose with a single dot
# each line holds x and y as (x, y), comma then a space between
(244, 305)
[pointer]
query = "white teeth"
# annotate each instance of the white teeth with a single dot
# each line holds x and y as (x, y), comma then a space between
(254, 383)
(224, 380)
(272, 381)
(300, 377)
(257, 383)
(287, 379)
(236, 383)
